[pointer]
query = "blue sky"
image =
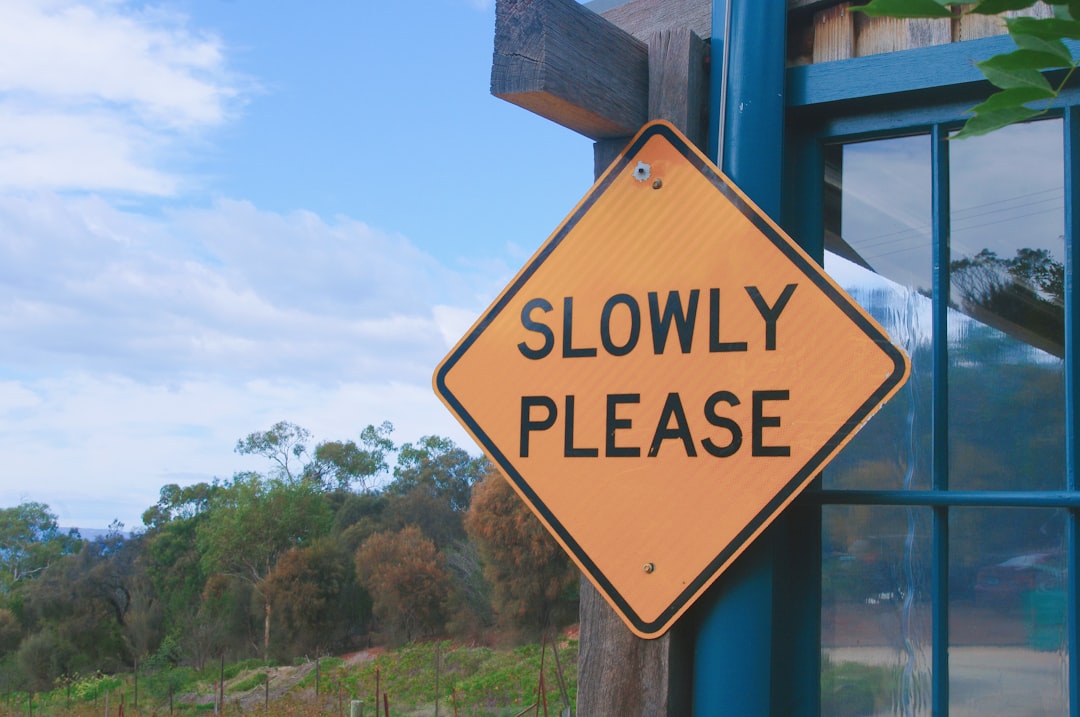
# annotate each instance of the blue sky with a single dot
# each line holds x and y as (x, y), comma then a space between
(219, 214)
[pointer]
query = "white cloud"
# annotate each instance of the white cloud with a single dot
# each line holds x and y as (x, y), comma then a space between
(453, 322)
(110, 52)
(228, 290)
(137, 349)
(94, 94)
(97, 448)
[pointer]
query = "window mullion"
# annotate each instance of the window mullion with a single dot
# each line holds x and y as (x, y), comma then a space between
(939, 155)
(1072, 393)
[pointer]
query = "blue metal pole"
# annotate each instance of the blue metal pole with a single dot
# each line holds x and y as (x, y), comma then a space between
(753, 116)
(939, 154)
(1072, 392)
(734, 624)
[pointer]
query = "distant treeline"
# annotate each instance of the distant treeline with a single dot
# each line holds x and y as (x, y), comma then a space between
(333, 547)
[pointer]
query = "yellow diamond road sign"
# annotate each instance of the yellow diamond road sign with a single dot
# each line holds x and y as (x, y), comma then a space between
(664, 376)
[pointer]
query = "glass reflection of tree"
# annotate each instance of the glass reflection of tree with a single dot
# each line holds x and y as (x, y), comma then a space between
(1023, 297)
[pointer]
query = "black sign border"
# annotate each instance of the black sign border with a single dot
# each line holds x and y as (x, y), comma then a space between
(810, 468)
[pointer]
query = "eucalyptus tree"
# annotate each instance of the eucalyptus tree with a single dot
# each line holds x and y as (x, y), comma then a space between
(252, 522)
(30, 540)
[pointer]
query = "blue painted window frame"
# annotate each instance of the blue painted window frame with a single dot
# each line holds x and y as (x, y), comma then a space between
(927, 91)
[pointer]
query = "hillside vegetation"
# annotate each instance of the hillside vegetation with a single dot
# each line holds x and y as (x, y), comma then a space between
(336, 548)
(463, 680)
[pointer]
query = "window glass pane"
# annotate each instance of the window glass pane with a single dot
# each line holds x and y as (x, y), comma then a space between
(875, 611)
(877, 209)
(1007, 611)
(1006, 323)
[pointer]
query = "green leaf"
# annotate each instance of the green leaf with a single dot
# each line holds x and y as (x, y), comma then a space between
(1025, 60)
(904, 8)
(986, 122)
(1042, 44)
(1065, 9)
(1012, 99)
(1050, 28)
(1005, 76)
(993, 7)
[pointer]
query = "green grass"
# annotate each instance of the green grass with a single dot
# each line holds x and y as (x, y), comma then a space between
(480, 680)
(249, 682)
(852, 689)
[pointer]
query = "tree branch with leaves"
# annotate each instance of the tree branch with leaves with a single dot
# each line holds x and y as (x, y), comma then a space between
(1023, 89)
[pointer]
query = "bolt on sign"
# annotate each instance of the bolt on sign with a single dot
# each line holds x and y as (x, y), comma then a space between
(664, 376)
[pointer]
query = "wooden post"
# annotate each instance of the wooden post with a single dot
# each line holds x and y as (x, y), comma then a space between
(618, 672)
(562, 61)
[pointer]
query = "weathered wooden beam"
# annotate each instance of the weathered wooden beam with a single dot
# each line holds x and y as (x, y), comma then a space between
(641, 18)
(678, 90)
(566, 63)
(619, 674)
(678, 81)
(878, 35)
(834, 34)
(604, 7)
(811, 5)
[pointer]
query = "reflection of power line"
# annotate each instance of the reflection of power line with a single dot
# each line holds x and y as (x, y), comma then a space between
(1056, 200)
(915, 236)
(891, 237)
(1056, 191)
(1000, 205)
(1054, 209)
(916, 247)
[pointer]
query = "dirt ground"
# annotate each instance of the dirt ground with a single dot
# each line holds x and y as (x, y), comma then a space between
(282, 680)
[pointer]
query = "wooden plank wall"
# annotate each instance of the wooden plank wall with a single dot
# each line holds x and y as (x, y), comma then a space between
(826, 30)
